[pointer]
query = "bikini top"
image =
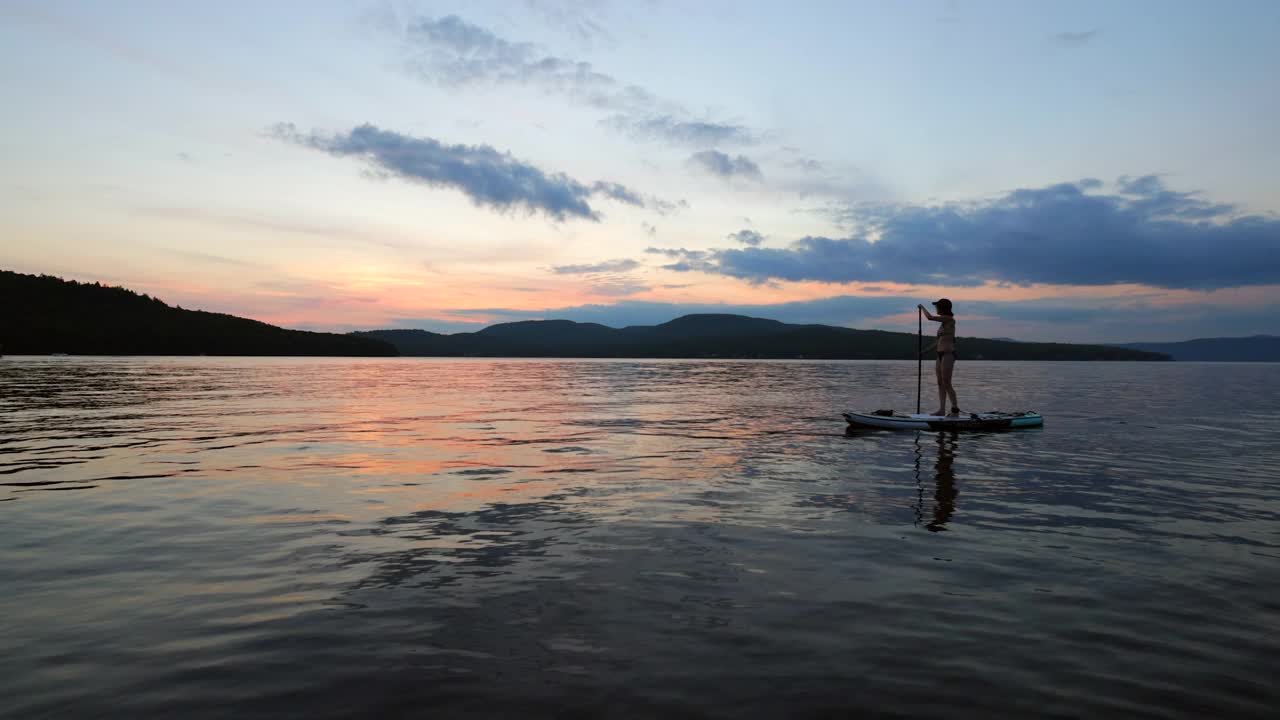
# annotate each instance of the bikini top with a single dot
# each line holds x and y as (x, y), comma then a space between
(947, 328)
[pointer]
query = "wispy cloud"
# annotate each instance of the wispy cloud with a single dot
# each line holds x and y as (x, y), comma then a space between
(579, 18)
(488, 177)
(330, 234)
(451, 52)
(806, 164)
(1060, 234)
(102, 38)
(204, 258)
(610, 278)
(617, 192)
(618, 287)
(681, 132)
(666, 207)
(609, 266)
(801, 162)
(1074, 39)
(725, 166)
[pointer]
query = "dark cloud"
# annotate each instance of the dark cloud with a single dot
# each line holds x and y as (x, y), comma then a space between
(489, 177)
(1060, 234)
(609, 266)
(747, 237)
(680, 132)
(1051, 313)
(1145, 185)
(1074, 39)
(718, 163)
(1149, 196)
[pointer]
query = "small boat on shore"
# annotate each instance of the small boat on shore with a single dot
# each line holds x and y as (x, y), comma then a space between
(890, 420)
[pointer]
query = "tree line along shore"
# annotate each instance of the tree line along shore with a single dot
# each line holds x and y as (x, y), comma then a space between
(49, 315)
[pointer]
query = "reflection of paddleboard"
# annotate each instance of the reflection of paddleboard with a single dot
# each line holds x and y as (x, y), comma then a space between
(890, 420)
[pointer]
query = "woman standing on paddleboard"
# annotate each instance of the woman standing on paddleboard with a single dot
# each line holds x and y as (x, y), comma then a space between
(946, 348)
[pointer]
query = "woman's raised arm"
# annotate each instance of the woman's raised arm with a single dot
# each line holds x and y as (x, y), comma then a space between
(930, 315)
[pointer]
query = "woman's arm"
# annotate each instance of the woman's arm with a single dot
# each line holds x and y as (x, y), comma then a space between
(929, 315)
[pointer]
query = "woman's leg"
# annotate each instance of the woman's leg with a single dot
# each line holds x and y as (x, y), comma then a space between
(948, 366)
(942, 388)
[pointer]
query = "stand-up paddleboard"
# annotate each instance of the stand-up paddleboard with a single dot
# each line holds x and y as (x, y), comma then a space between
(889, 420)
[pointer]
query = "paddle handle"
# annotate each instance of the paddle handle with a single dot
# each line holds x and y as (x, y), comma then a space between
(919, 355)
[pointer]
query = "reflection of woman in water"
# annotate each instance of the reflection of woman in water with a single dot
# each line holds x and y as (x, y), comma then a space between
(944, 492)
(946, 348)
(944, 487)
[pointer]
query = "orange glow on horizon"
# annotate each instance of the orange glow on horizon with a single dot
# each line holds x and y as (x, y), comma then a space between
(381, 296)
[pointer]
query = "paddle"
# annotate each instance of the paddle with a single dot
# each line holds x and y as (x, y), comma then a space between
(919, 354)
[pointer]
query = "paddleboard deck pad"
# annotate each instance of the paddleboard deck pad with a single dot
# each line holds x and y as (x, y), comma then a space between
(889, 420)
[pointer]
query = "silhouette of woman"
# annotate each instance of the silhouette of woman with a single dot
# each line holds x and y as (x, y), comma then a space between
(945, 346)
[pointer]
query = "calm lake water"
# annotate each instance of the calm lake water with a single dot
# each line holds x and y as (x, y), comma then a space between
(333, 538)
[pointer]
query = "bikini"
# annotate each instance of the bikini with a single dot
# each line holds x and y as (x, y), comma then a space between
(952, 335)
(952, 352)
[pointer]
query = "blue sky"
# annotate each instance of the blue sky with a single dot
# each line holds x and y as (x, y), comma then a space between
(1063, 171)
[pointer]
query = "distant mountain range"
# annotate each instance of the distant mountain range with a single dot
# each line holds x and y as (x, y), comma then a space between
(44, 315)
(1256, 348)
(719, 336)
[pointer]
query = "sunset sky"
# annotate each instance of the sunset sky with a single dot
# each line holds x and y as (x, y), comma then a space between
(1082, 171)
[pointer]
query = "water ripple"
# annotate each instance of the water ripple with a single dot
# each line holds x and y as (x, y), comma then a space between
(359, 538)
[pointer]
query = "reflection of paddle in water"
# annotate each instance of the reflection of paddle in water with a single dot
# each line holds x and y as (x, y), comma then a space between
(944, 490)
